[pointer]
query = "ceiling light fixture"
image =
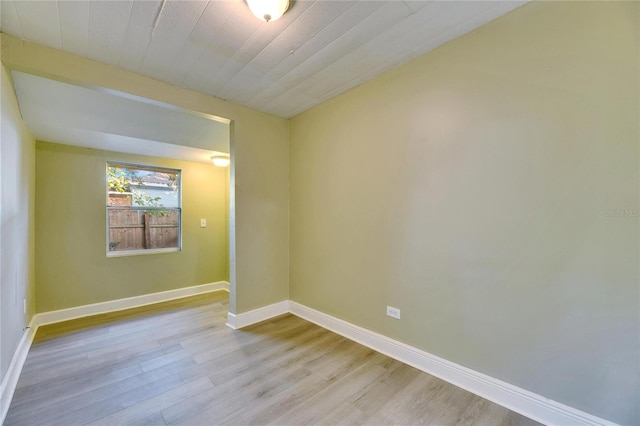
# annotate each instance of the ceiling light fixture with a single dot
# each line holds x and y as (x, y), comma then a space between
(268, 10)
(220, 161)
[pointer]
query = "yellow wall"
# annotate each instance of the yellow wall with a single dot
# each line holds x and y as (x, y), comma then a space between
(72, 268)
(17, 180)
(473, 189)
(488, 189)
(260, 169)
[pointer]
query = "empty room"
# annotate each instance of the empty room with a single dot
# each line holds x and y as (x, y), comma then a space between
(292, 212)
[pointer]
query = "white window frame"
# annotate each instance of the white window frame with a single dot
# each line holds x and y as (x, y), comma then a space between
(123, 253)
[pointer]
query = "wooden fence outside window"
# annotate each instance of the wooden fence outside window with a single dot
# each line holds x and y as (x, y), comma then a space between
(138, 229)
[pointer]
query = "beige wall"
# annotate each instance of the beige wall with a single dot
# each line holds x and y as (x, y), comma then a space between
(260, 169)
(17, 180)
(72, 268)
(472, 188)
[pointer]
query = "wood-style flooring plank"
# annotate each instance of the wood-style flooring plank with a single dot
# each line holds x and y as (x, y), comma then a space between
(176, 363)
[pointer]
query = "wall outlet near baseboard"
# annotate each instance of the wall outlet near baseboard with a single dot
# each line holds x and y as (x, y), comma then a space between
(393, 312)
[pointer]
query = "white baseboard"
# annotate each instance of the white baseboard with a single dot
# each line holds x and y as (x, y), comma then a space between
(10, 381)
(237, 321)
(127, 303)
(512, 397)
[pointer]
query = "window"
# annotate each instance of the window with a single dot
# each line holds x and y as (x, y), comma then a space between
(143, 209)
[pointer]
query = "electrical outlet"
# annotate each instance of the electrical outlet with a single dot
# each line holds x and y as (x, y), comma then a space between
(393, 312)
(203, 223)
(24, 306)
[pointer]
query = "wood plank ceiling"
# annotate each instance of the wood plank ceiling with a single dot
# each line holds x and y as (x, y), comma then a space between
(317, 50)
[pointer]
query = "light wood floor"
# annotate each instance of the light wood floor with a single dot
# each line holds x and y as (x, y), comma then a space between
(177, 363)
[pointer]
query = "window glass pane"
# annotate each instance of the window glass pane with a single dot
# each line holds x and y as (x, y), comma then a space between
(143, 208)
(131, 186)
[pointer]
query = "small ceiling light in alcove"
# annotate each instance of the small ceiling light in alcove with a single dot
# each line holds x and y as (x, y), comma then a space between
(220, 161)
(268, 10)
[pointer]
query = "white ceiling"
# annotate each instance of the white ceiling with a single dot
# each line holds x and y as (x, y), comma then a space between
(63, 113)
(317, 50)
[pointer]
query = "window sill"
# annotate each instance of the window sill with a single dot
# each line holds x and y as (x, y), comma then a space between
(125, 253)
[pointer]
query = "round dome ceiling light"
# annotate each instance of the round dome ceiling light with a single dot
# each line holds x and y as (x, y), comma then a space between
(268, 10)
